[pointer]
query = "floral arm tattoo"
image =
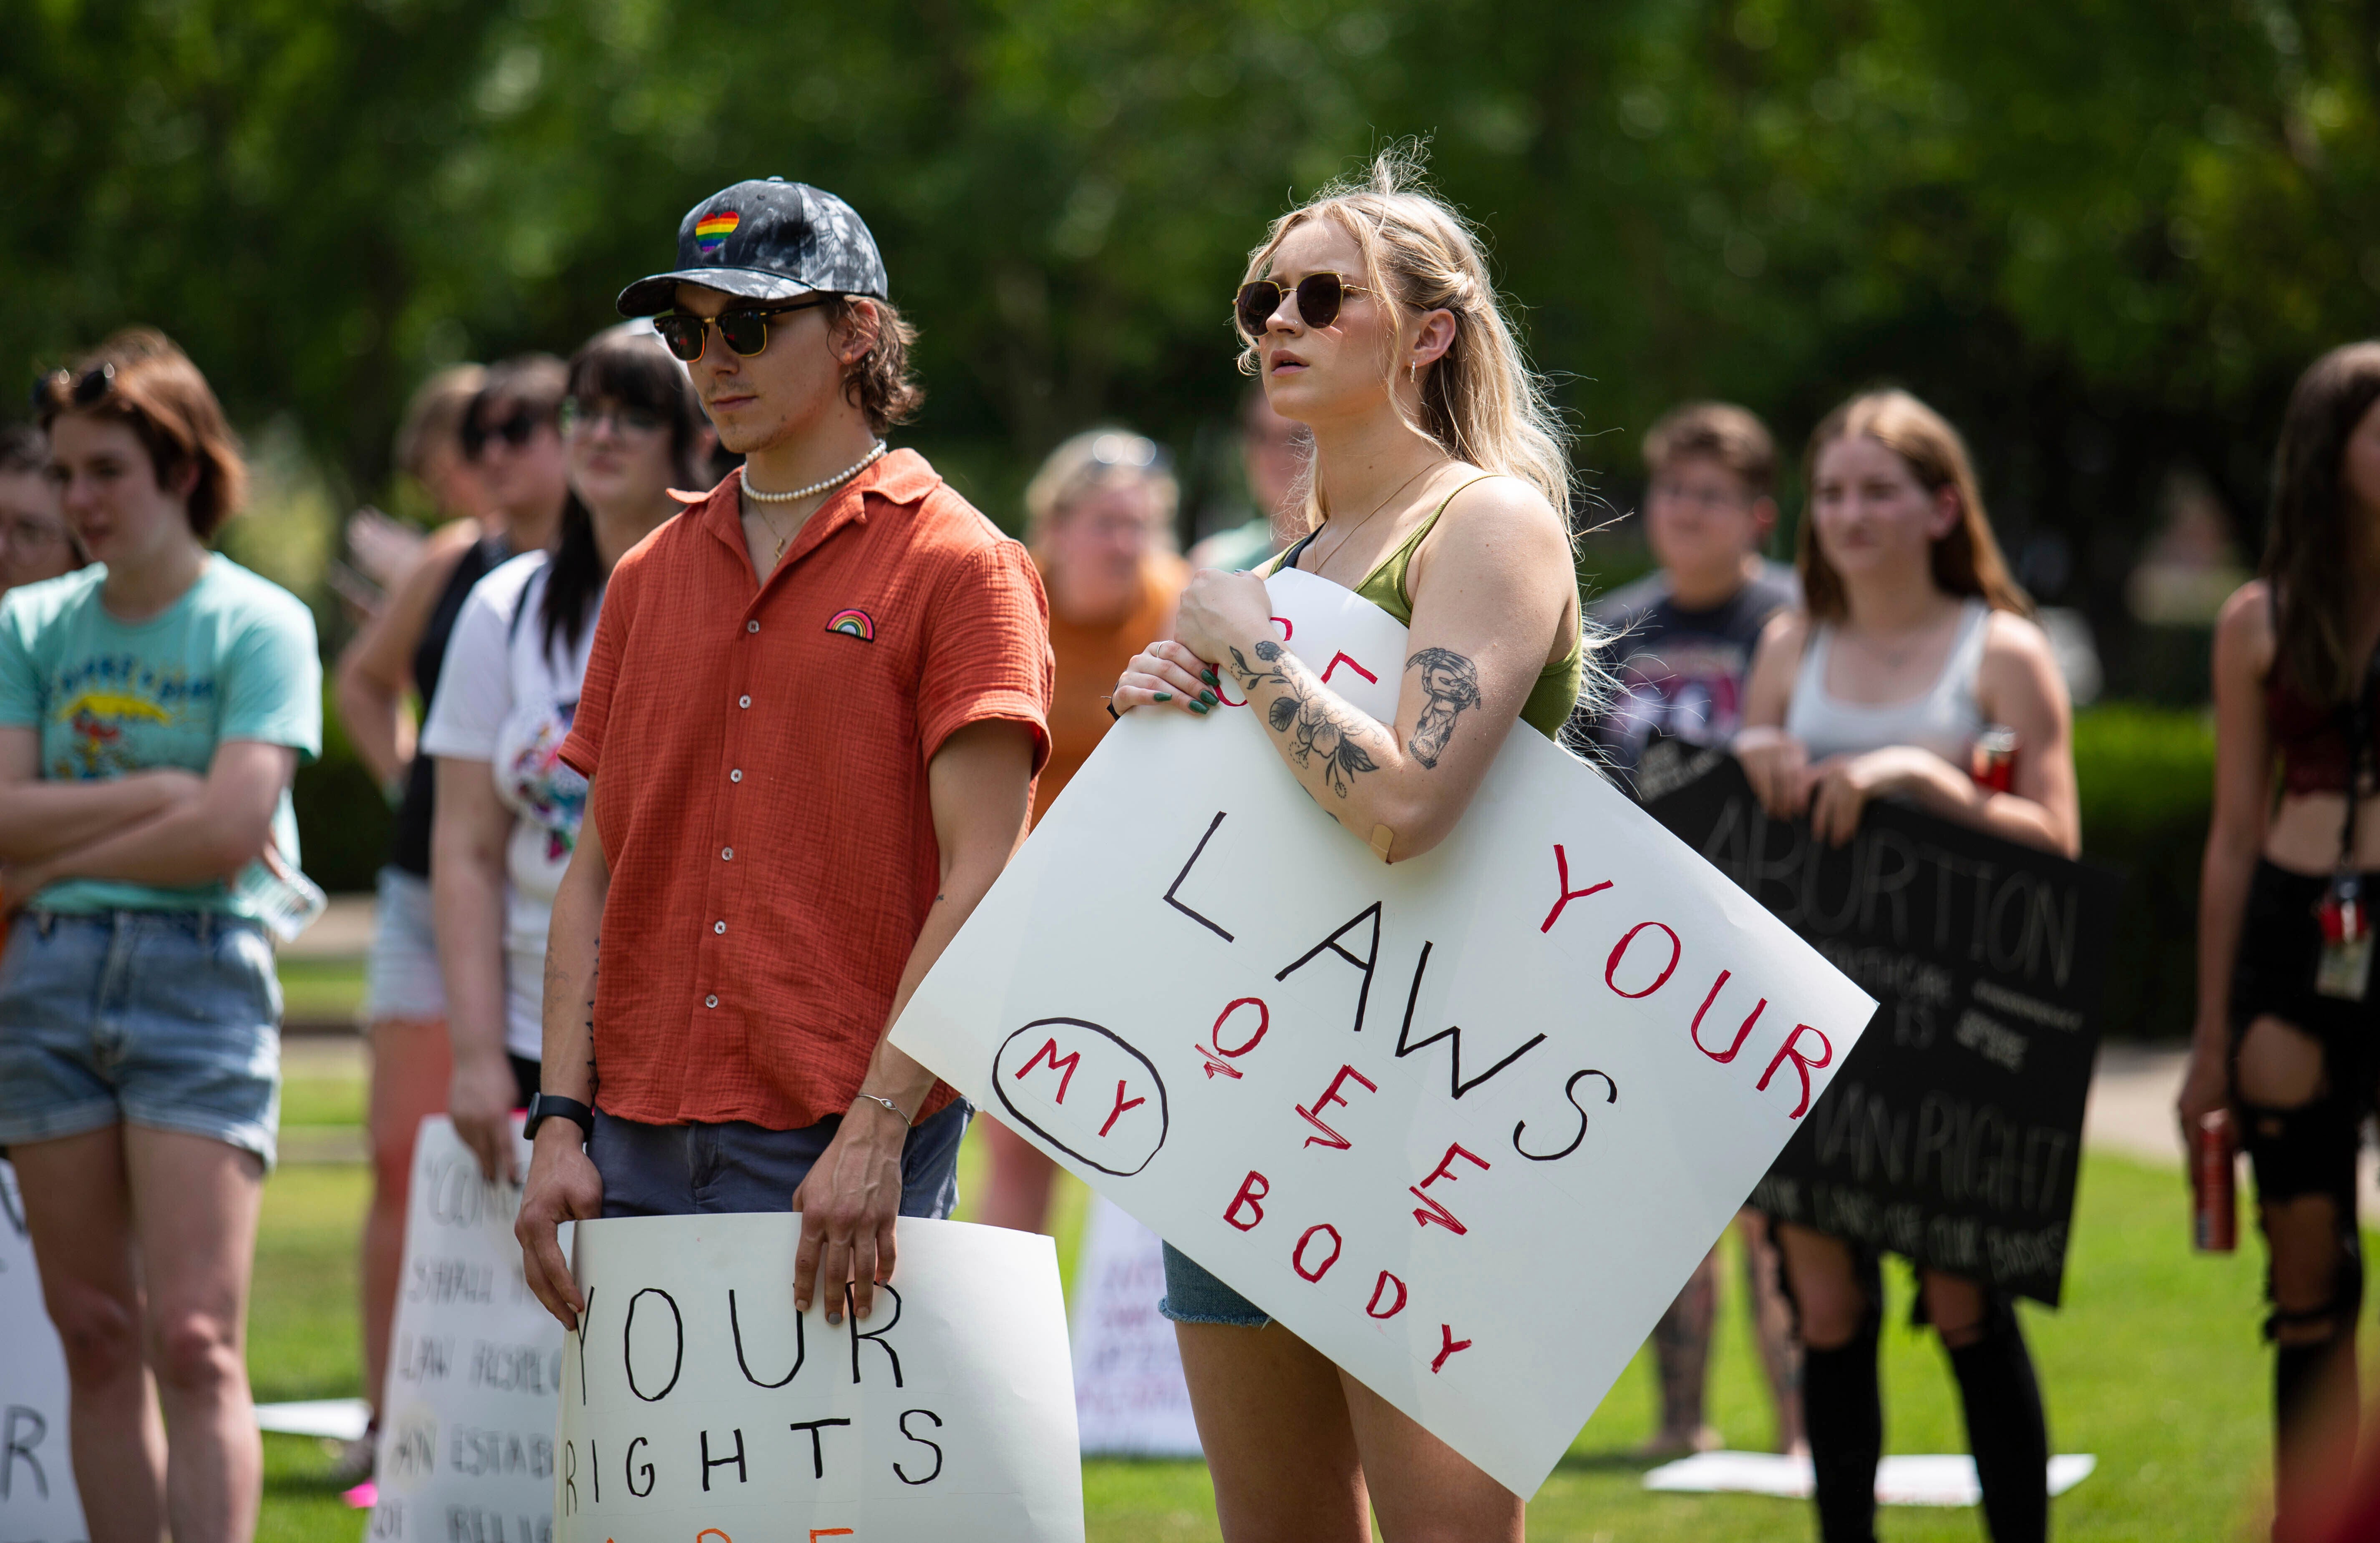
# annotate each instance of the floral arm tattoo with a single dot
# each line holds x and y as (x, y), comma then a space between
(1318, 725)
(1450, 683)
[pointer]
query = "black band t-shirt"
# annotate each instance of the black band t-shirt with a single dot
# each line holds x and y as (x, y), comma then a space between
(1680, 673)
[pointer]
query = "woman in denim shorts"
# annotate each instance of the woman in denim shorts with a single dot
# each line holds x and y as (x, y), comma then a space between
(153, 707)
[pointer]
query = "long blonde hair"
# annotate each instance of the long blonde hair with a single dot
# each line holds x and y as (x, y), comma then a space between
(1480, 402)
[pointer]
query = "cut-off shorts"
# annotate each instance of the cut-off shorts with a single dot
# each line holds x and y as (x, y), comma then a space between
(401, 978)
(168, 1019)
(1193, 1295)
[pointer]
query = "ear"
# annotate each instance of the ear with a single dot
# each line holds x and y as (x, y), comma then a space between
(1764, 518)
(1946, 512)
(184, 482)
(855, 337)
(1431, 338)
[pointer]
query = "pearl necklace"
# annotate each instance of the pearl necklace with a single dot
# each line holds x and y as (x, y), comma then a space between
(819, 487)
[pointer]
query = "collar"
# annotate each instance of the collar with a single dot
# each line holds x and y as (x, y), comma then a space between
(899, 478)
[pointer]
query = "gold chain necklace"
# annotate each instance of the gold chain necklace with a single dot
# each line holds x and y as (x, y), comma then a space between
(1375, 509)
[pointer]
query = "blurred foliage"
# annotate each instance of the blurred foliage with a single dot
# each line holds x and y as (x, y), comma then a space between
(2147, 779)
(2104, 240)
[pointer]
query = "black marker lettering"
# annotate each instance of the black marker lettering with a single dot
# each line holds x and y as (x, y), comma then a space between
(1212, 827)
(923, 1442)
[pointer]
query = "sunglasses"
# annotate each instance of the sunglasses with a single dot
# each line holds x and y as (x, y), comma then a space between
(84, 390)
(516, 432)
(577, 416)
(1319, 299)
(745, 330)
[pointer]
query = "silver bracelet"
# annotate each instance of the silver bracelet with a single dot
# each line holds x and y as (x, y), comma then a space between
(888, 1103)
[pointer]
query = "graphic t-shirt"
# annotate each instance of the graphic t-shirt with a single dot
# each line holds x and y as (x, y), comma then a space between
(234, 657)
(507, 698)
(1680, 673)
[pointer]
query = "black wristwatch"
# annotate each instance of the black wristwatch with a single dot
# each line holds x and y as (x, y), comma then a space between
(545, 1106)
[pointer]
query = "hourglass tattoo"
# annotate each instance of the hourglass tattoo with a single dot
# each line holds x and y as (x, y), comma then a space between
(1319, 725)
(1448, 683)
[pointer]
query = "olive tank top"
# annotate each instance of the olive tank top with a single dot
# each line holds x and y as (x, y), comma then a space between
(1556, 692)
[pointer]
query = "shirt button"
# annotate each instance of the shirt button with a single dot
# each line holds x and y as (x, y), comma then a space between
(711, 1002)
(719, 927)
(742, 701)
(751, 626)
(727, 854)
(736, 775)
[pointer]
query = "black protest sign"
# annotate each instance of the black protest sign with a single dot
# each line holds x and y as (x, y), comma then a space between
(1951, 1132)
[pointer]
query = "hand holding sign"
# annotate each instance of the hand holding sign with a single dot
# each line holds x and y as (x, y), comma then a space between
(1462, 1124)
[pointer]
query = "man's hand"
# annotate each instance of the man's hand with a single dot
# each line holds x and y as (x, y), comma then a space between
(563, 1186)
(479, 1101)
(849, 1204)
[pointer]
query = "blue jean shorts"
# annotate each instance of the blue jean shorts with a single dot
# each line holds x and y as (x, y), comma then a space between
(169, 1019)
(401, 978)
(1193, 1295)
(737, 1166)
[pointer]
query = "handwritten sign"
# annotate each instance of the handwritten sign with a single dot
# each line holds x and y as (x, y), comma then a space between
(1129, 1395)
(474, 1366)
(697, 1404)
(1464, 1124)
(38, 1500)
(1952, 1134)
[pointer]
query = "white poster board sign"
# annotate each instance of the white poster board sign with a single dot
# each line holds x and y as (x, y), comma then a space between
(1129, 1396)
(474, 1363)
(697, 1404)
(1464, 1124)
(38, 1502)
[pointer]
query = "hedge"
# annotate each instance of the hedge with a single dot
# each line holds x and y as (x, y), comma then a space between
(343, 823)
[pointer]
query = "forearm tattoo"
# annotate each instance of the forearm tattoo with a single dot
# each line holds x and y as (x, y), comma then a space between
(1448, 683)
(1318, 725)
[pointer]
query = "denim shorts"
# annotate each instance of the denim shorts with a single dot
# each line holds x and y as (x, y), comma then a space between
(169, 1019)
(737, 1166)
(1193, 1295)
(401, 978)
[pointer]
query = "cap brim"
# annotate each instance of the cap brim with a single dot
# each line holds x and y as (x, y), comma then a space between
(651, 296)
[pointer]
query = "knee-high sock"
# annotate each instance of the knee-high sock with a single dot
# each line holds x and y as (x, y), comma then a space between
(2006, 1430)
(1844, 1412)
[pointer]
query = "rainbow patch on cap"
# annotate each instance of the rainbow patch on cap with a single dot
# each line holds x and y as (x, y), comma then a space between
(853, 624)
(711, 231)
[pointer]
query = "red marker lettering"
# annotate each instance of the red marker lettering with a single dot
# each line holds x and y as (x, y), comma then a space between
(1287, 631)
(1121, 1105)
(1264, 1021)
(1723, 1057)
(1435, 1213)
(1620, 952)
(1446, 1164)
(1297, 1255)
(1063, 1065)
(1214, 1065)
(1339, 659)
(1382, 1284)
(1786, 1051)
(1447, 1345)
(1253, 1188)
(1329, 1138)
(1562, 866)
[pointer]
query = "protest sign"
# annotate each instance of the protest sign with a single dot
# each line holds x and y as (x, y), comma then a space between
(1952, 1135)
(474, 1366)
(1465, 1123)
(698, 1406)
(1129, 1396)
(38, 1502)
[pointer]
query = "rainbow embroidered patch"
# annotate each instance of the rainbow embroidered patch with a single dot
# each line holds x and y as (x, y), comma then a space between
(853, 624)
(711, 231)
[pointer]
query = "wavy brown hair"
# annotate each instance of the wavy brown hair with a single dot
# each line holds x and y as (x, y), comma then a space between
(2315, 530)
(159, 395)
(878, 382)
(1966, 560)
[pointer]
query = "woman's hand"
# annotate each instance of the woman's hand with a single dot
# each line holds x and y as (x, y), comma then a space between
(1777, 765)
(479, 1101)
(1220, 611)
(2206, 1087)
(1166, 672)
(1840, 787)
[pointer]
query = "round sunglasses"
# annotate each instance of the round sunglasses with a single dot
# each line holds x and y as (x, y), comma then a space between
(745, 330)
(1319, 299)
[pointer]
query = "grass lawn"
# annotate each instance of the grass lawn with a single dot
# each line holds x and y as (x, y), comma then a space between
(2154, 1365)
(321, 991)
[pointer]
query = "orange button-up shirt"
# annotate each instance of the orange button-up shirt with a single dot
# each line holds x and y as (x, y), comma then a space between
(759, 753)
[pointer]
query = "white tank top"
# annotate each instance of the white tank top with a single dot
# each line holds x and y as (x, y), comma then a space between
(1943, 719)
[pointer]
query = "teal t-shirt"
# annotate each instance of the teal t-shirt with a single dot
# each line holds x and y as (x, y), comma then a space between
(234, 657)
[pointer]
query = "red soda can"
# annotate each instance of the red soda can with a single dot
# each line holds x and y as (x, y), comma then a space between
(2215, 1210)
(1992, 760)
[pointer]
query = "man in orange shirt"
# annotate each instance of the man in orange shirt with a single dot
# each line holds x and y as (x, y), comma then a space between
(810, 724)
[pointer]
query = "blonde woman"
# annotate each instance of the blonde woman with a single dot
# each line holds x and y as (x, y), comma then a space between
(1440, 494)
(1911, 636)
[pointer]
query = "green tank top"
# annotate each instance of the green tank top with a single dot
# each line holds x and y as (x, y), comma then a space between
(1556, 692)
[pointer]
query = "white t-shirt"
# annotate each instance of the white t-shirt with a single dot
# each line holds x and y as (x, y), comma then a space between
(504, 698)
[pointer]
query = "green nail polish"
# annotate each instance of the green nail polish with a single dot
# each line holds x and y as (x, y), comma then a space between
(1212, 679)
(1198, 707)
(1165, 696)
(1207, 696)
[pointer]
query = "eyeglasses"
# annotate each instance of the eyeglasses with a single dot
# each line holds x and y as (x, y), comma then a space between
(31, 535)
(1130, 452)
(745, 330)
(516, 431)
(1319, 297)
(82, 391)
(577, 416)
